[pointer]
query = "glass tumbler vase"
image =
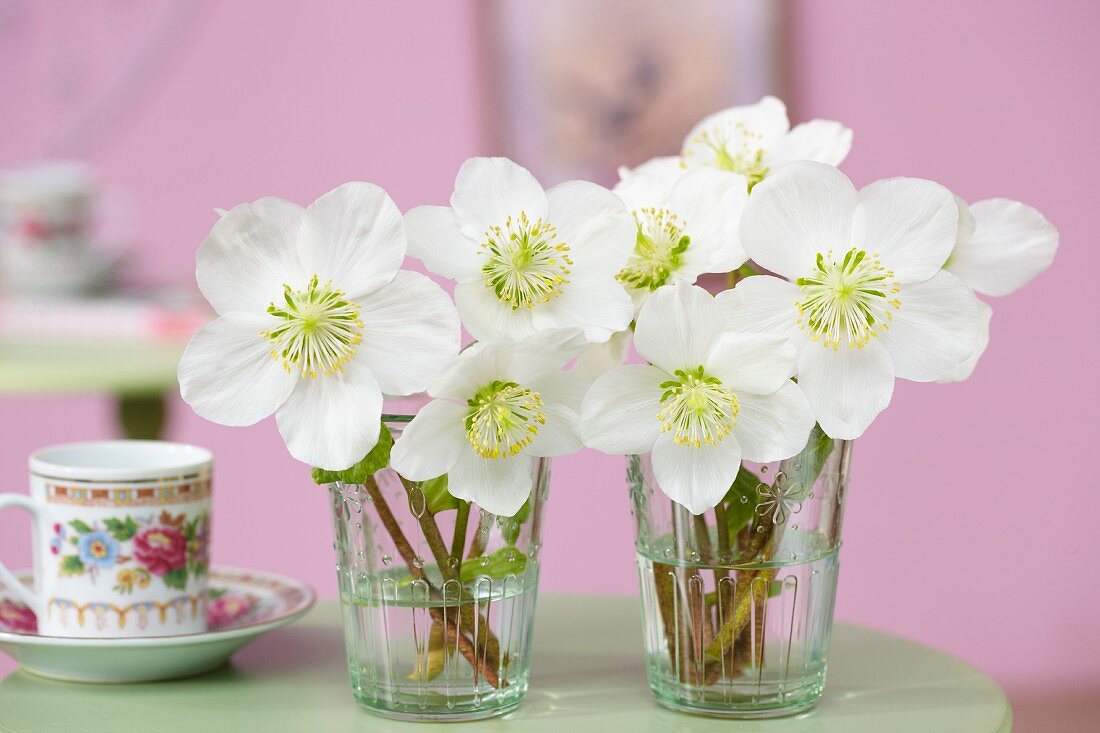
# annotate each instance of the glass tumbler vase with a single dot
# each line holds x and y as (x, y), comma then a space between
(737, 602)
(438, 596)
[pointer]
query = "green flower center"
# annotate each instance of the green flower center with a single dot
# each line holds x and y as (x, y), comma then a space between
(847, 302)
(319, 329)
(697, 408)
(525, 264)
(503, 419)
(657, 252)
(735, 148)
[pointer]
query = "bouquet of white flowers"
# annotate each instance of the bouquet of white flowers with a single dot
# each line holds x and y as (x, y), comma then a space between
(741, 414)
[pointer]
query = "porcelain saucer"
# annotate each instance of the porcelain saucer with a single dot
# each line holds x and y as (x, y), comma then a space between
(243, 605)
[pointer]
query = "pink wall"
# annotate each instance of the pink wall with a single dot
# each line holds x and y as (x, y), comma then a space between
(970, 527)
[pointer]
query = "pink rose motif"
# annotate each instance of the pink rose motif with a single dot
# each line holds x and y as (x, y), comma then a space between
(17, 617)
(227, 609)
(160, 549)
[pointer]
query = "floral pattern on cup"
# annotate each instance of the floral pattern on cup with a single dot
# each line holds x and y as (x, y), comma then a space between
(169, 547)
(17, 617)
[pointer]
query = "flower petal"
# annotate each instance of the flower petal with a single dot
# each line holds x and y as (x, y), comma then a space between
(596, 226)
(695, 478)
(436, 239)
(410, 332)
(911, 223)
(478, 364)
(599, 359)
(649, 183)
(486, 318)
(678, 326)
(800, 210)
(966, 228)
(775, 426)
(562, 394)
(249, 255)
(846, 388)
(763, 304)
(227, 374)
(964, 370)
(822, 140)
(522, 361)
(934, 330)
(600, 307)
(545, 352)
(710, 203)
(752, 362)
(749, 126)
(431, 444)
(665, 168)
(355, 236)
(1012, 243)
(497, 485)
(489, 190)
(619, 413)
(332, 421)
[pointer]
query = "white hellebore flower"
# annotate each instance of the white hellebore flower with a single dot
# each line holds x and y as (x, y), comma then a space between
(756, 140)
(685, 227)
(527, 260)
(315, 322)
(1002, 245)
(710, 397)
(865, 300)
(498, 405)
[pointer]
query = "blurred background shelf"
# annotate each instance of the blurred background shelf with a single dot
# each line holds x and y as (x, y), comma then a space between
(139, 377)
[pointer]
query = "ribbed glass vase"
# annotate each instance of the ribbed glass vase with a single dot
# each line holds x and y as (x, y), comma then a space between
(738, 601)
(438, 596)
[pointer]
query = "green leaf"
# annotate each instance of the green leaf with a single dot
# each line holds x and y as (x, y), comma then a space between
(502, 562)
(120, 530)
(511, 527)
(376, 460)
(437, 496)
(804, 469)
(429, 668)
(71, 565)
(176, 578)
(80, 526)
(189, 529)
(216, 592)
(741, 500)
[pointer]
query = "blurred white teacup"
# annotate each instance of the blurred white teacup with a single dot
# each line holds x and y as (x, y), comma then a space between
(47, 205)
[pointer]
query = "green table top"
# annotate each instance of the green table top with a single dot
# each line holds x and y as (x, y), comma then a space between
(31, 367)
(587, 675)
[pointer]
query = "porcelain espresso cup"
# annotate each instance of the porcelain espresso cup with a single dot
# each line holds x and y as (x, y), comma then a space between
(121, 538)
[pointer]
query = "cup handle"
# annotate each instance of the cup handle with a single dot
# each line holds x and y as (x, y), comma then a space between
(7, 577)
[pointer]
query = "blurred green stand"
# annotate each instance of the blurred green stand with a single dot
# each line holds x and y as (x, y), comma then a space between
(138, 376)
(587, 675)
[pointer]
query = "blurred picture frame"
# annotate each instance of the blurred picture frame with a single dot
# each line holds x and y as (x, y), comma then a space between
(576, 88)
